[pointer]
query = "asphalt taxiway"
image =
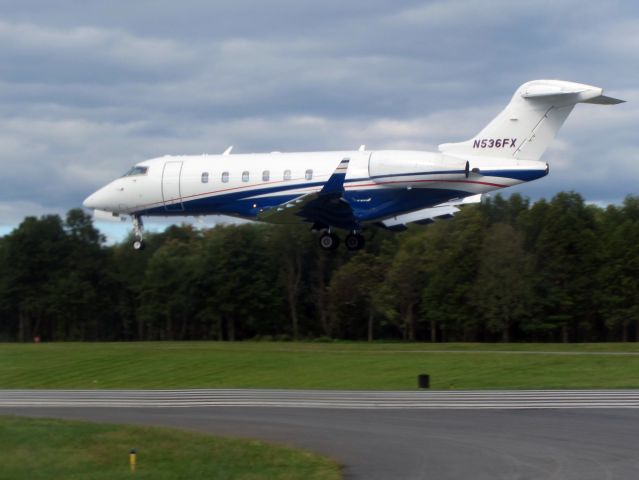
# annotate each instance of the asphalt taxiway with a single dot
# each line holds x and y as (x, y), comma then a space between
(390, 435)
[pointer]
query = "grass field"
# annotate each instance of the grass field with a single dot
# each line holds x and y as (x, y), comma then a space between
(36, 449)
(317, 365)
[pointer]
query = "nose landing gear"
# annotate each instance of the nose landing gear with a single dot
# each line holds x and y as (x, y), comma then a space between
(138, 227)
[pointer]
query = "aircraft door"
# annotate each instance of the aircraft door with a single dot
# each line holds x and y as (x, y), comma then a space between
(171, 194)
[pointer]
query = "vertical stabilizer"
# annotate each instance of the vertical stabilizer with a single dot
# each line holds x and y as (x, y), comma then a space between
(525, 128)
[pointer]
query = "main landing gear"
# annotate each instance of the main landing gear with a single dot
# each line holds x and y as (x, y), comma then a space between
(329, 241)
(353, 241)
(138, 227)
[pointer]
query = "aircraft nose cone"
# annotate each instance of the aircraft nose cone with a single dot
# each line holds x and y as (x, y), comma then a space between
(99, 200)
(90, 201)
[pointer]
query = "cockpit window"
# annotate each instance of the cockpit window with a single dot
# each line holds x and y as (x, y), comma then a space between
(137, 170)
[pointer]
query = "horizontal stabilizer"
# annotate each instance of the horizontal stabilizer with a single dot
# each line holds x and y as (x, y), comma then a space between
(580, 93)
(544, 91)
(604, 100)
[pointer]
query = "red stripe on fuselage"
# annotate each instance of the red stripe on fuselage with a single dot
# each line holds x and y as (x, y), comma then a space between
(435, 181)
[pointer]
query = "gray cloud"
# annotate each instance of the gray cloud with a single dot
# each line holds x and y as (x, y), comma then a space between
(88, 89)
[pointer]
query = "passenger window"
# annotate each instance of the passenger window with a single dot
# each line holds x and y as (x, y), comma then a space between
(245, 176)
(309, 174)
(287, 174)
(205, 177)
(225, 177)
(266, 175)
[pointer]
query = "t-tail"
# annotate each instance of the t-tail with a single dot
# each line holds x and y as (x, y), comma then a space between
(525, 128)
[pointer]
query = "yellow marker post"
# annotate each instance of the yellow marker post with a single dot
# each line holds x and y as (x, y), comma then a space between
(132, 459)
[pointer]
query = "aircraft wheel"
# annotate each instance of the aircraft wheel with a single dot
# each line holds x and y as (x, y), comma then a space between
(329, 241)
(355, 241)
(138, 245)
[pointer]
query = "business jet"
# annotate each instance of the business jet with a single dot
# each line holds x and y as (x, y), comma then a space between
(352, 190)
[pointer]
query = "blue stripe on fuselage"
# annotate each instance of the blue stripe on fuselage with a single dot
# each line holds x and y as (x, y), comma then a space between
(523, 175)
(517, 174)
(366, 204)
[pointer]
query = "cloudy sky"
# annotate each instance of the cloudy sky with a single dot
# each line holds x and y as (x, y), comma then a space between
(89, 88)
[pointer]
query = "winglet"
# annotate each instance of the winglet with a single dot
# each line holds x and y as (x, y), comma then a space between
(335, 183)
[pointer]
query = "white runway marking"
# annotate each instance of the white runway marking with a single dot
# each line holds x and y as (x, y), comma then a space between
(472, 400)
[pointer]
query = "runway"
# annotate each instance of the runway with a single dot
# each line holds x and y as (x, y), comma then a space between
(524, 399)
(390, 435)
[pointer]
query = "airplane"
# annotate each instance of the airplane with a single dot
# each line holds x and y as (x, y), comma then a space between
(352, 190)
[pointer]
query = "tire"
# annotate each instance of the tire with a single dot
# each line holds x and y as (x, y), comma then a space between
(329, 241)
(354, 241)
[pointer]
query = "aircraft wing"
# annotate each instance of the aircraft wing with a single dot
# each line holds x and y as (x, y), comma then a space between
(325, 207)
(427, 215)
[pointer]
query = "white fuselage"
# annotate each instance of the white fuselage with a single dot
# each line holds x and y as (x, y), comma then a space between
(378, 184)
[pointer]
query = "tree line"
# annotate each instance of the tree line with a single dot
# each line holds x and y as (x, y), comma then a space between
(504, 270)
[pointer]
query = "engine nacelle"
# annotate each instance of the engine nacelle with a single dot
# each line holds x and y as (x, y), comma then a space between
(392, 163)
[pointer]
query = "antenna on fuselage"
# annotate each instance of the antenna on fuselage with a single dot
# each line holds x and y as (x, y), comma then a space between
(228, 150)
(362, 148)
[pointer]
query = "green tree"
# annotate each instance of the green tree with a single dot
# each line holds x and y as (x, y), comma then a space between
(291, 246)
(451, 264)
(167, 300)
(400, 294)
(618, 291)
(32, 255)
(353, 291)
(498, 209)
(567, 259)
(503, 291)
(239, 278)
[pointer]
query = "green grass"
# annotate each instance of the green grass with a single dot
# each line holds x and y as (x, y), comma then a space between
(36, 449)
(316, 365)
